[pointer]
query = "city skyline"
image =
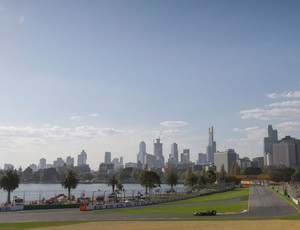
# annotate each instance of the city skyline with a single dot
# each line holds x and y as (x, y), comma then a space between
(105, 75)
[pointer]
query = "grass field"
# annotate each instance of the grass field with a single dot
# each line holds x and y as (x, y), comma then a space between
(214, 201)
(202, 203)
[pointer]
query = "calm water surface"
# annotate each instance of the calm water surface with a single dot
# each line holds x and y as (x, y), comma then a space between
(36, 192)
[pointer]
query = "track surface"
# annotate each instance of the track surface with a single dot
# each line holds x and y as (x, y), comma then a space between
(263, 203)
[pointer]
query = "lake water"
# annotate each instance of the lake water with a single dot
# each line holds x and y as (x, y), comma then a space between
(36, 192)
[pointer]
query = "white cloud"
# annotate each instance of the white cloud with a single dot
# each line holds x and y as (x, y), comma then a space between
(21, 19)
(252, 134)
(264, 114)
(272, 95)
(294, 103)
(76, 118)
(112, 131)
(174, 123)
(171, 132)
(249, 129)
(288, 126)
(94, 115)
(286, 94)
(56, 132)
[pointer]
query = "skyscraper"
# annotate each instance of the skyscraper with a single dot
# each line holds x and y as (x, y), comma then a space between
(43, 163)
(174, 154)
(70, 161)
(185, 156)
(212, 147)
(81, 160)
(142, 153)
(287, 152)
(107, 158)
(268, 145)
(158, 154)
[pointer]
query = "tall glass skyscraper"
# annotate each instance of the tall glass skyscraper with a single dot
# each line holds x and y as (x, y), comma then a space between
(158, 154)
(268, 145)
(174, 152)
(142, 153)
(212, 146)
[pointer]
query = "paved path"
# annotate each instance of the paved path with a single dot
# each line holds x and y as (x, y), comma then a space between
(263, 203)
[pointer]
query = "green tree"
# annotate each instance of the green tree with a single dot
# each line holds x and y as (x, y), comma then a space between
(281, 174)
(235, 169)
(70, 181)
(113, 181)
(9, 181)
(50, 175)
(119, 186)
(222, 173)
(295, 177)
(171, 175)
(210, 177)
(201, 179)
(252, 171)
(87, 176)
(26, 175)
(191, 178)
(149, 179)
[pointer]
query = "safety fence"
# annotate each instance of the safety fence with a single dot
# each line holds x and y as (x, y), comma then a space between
(290, 190)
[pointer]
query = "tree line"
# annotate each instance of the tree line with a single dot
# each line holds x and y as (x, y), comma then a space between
(148, 178)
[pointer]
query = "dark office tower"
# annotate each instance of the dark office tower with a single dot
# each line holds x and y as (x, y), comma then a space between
(211, 148)
(142, 153)
(174, 152)
(107, 158)
(158, 154)
(287, 152)
(268, 145)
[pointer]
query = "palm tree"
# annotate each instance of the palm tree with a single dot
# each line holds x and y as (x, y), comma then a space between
(70, 181)
(113, 181)
(9, 181)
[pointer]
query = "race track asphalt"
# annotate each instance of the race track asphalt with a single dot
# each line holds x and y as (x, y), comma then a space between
(263, 202)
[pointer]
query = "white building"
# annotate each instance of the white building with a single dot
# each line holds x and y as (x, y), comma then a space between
(227, 158)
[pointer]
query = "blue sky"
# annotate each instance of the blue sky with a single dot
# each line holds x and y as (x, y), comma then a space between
(105, 75)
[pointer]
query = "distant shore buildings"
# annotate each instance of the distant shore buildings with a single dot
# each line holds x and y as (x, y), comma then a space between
(284, 152)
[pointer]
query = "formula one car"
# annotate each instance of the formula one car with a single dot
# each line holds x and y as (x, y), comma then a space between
(206, 213)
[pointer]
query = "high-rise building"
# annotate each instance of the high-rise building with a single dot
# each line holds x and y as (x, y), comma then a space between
(258, 162)
(174, 152)
(107, 157)
(59, 162)
(173, 157)
(201, 159)
(185, 156)
(268, 145)
(142, 152)
(227, 158)
(82, 157)
(150, 160)
(158, 154)
(212, 146)
(70, 161)
(287, 152)
(118, 163)
(43, 163)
